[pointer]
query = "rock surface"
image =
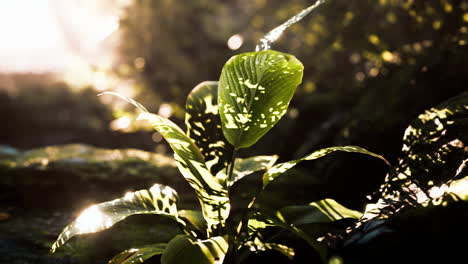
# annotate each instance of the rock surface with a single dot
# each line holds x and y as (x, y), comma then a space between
(42, 190)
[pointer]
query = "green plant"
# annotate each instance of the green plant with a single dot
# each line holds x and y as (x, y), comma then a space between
(252, 94)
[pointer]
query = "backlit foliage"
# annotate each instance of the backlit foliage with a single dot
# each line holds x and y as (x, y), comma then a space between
(253, 93)
(434, 160)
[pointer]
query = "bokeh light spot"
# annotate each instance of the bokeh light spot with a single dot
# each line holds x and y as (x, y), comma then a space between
(235, 42)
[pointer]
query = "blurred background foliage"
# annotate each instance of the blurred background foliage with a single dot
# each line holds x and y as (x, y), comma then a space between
(370, 68)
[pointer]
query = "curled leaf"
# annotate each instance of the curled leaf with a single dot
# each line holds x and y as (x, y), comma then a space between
(138, 255)
(247, 166)
(323, 211)
(159, 199)
(195, 218)
(281, 168)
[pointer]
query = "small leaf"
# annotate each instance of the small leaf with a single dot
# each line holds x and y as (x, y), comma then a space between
(460, 188)
(258, 246)
(323, 211)
(262, 220)
(195, 218)
(254, 93)
(159, 199)
(187, 250)
(204, 126)
(138, 255)
(257, 223)
(130, 100)
(285, 250)
(279, 169)
(247, 166)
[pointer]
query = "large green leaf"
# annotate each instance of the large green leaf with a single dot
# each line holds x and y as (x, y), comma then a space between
(204, 126)
(187, 250)
(254, 93)
(279, 169)
(214, 199)
(159, 199)
(138, 255)
(323, 211)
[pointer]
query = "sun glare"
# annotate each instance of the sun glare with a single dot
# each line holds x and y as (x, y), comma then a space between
(91, 220)
(29, 33)
(54, 35)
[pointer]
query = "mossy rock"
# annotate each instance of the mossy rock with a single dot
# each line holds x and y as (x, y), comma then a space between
(62, 175)
(42, 190)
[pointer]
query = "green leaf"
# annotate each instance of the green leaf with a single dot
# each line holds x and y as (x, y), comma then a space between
(323, 211)
(262, 220)
(214, 203)
(247, 166)
(138, 255)
(254, 93)
(129, 100)
(185, 149)
(195, 218)
(214, 199)
(306, 221)
(259, 246)
(460, 188)
(187, 250)
(185, 152)
(258, 222)
(279, 169)
(159, 199)
(434, 153)
(204, 126)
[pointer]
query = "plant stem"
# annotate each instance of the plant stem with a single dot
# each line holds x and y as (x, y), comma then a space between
(234, 237)
(230, 168)
(230, 256)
